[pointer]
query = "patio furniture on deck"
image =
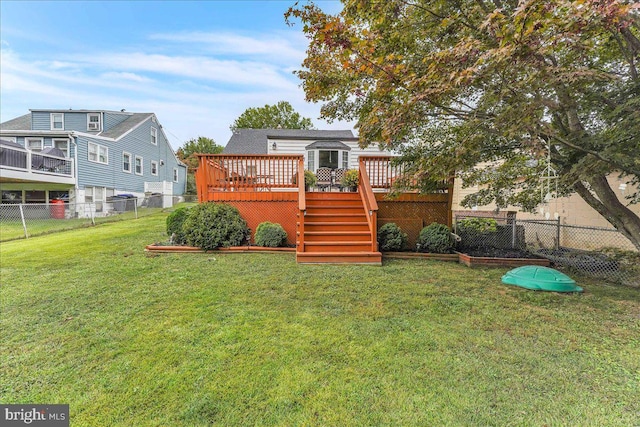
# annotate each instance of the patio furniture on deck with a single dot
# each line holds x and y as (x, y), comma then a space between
(324, 178)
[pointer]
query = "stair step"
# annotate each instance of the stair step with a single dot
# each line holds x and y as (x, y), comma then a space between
(333, 218)
(332, 196)
(337, 246)
(365, 257)
(337, 226)
(333, 203)
(335, 209)
(350, 235)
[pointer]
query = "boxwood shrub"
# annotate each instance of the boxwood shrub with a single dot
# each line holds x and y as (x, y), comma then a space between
(270, 234)
(391, 238)
(174, 225)
(436, 238)
(213, 225)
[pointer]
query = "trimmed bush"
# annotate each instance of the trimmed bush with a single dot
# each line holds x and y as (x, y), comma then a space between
(212, 225)
(435, 238)
(310, 179)
(391, 238)
(270, 235)
(350, 179)
(174, 225)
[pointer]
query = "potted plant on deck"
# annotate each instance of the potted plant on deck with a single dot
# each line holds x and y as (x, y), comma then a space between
(350, 180)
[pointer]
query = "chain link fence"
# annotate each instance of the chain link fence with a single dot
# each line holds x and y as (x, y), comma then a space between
(19, 221)
(594, 251)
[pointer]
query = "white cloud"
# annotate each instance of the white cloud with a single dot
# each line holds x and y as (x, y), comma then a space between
(125, 76)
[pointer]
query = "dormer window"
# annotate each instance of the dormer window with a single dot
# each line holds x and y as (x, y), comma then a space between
(94, 122)
(154, 136)
(57, 121)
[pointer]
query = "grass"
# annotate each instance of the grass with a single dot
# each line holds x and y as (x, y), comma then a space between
(129, 338)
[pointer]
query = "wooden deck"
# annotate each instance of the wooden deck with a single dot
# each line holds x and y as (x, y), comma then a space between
(325, 226)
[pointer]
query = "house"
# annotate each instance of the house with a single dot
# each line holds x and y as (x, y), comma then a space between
(86, 156)
(261, 173)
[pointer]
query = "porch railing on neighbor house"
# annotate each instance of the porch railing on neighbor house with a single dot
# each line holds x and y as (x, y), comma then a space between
(31, 162)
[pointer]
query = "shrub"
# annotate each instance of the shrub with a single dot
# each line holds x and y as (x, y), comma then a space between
(213, 225)
(477, 232)
(309, 179)
(174, 225)
(435, 238)
(270, 235)
(350, 179)
(391, 238)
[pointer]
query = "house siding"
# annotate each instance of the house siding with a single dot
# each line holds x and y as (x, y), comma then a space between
(41, 120)
(137, 143)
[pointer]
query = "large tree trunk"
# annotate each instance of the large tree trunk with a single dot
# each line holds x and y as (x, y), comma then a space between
(609, 206)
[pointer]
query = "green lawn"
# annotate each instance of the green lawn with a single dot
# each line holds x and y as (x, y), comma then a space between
(133, 339)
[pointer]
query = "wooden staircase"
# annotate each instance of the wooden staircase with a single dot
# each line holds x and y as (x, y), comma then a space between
(336, 231)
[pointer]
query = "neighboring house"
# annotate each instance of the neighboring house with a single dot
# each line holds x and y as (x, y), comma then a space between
(86, 156)
(321, 148)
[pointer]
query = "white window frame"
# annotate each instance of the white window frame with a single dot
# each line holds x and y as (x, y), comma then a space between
(135, 165)
(176, 175)
(66, 141)
(10, 138)
(27, 144)
(89, 122)
(98, 149)
(125, 154)
(154, 135)
(53, 121)
(154, 165)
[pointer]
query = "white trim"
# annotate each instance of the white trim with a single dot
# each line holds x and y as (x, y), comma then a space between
(51, 116)
(27, 139)
(98, 128)
(67, 150)
(154, 162)
(97, 153)
(135, 165)
(132, 129)
(124, 153)
(10, 138)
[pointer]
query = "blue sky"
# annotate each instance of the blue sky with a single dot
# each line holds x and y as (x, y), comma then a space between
(197, 65)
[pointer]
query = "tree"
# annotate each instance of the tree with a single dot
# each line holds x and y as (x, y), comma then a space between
(496, 90)
(187, 154)
(276, 116)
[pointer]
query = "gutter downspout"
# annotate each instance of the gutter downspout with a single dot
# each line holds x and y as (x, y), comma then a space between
(72, 139)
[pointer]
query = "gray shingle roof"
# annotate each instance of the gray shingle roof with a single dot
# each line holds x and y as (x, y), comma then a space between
(122, 128)
(19, 123)
(254, 141)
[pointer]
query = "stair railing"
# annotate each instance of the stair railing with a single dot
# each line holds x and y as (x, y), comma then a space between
(302, 204)
(370, 204)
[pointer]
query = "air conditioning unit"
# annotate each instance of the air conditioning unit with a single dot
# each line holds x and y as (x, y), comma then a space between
(94, 126)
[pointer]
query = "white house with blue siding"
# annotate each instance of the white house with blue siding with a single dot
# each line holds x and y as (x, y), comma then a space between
(86, 156)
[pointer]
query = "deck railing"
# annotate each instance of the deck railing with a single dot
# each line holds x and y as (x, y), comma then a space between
(381, 171)
(32, 162)
(370, 203)
(221, 172)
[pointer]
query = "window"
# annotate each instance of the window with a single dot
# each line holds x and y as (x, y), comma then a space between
(311, 164)
(175, 174)
(126, 162)
(57, 121)
(98, 153)
(12, 196)
(154, 136)
(94, 121)
(34, 144)
(345, 160)
(62, 145)
(154, 168)
(10, 138)
(95, 195)
(328, 158)
(35, 196)
(138, 164)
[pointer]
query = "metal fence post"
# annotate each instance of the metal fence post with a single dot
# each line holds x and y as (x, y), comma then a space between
(513, 233)
(92, 209)
(135, 206)
(24, 223)
(558, 234)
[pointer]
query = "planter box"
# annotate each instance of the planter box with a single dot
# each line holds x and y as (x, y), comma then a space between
(476, 261)
(419, 255)
(234, 249)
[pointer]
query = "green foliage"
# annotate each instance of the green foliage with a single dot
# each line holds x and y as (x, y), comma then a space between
(490, 90)
(478, 225)
(175, 221)
(187, 155)
(279, 116)
(213, 225)
(310, 179)
(391, 238)
(350, 179)
(270, 234)
(435, 238)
